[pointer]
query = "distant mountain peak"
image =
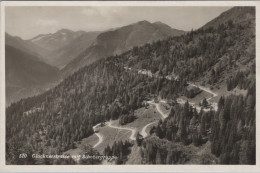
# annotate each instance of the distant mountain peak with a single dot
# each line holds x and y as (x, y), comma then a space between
(159, 22)
(144, 22)
(65, 31)
(54, 41)
(39, 37)
(7, 35)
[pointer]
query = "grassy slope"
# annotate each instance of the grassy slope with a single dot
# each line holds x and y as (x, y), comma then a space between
(144, 116)
(86, 141)
(111, 135)
(165, 108)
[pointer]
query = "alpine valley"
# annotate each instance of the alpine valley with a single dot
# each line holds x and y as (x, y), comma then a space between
(144, 93)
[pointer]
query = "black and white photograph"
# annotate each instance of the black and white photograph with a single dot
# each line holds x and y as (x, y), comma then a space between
(130, 85)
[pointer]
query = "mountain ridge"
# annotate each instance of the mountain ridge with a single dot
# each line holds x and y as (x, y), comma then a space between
(53, 41)
(65, 54)
(120, 40)
(25, 45)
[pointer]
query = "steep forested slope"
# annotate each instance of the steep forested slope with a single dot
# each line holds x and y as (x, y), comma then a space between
(236, 14)
(111, 87)
(230, 130)
(65, 114)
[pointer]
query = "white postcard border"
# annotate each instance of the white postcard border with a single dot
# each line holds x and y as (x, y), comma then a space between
(125, 168)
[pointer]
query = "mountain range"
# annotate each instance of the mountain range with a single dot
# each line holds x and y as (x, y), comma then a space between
(70, 50)
(56, 40)
(120, 40)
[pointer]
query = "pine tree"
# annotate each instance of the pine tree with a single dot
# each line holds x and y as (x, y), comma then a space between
(158, 158)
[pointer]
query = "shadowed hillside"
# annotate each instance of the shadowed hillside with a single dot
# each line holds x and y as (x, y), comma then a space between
(26, 75)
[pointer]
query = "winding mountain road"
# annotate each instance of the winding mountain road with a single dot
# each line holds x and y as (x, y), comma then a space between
(100, 137)
(143, 131)
(109, 124)
(158, 108)
(133, 130)
(204, 89)
(213, 94)
(163, 115)
(213, 104)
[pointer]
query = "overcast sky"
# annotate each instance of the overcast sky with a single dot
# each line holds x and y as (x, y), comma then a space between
(28, 22)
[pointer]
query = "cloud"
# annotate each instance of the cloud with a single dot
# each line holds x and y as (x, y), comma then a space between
(47, 22)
